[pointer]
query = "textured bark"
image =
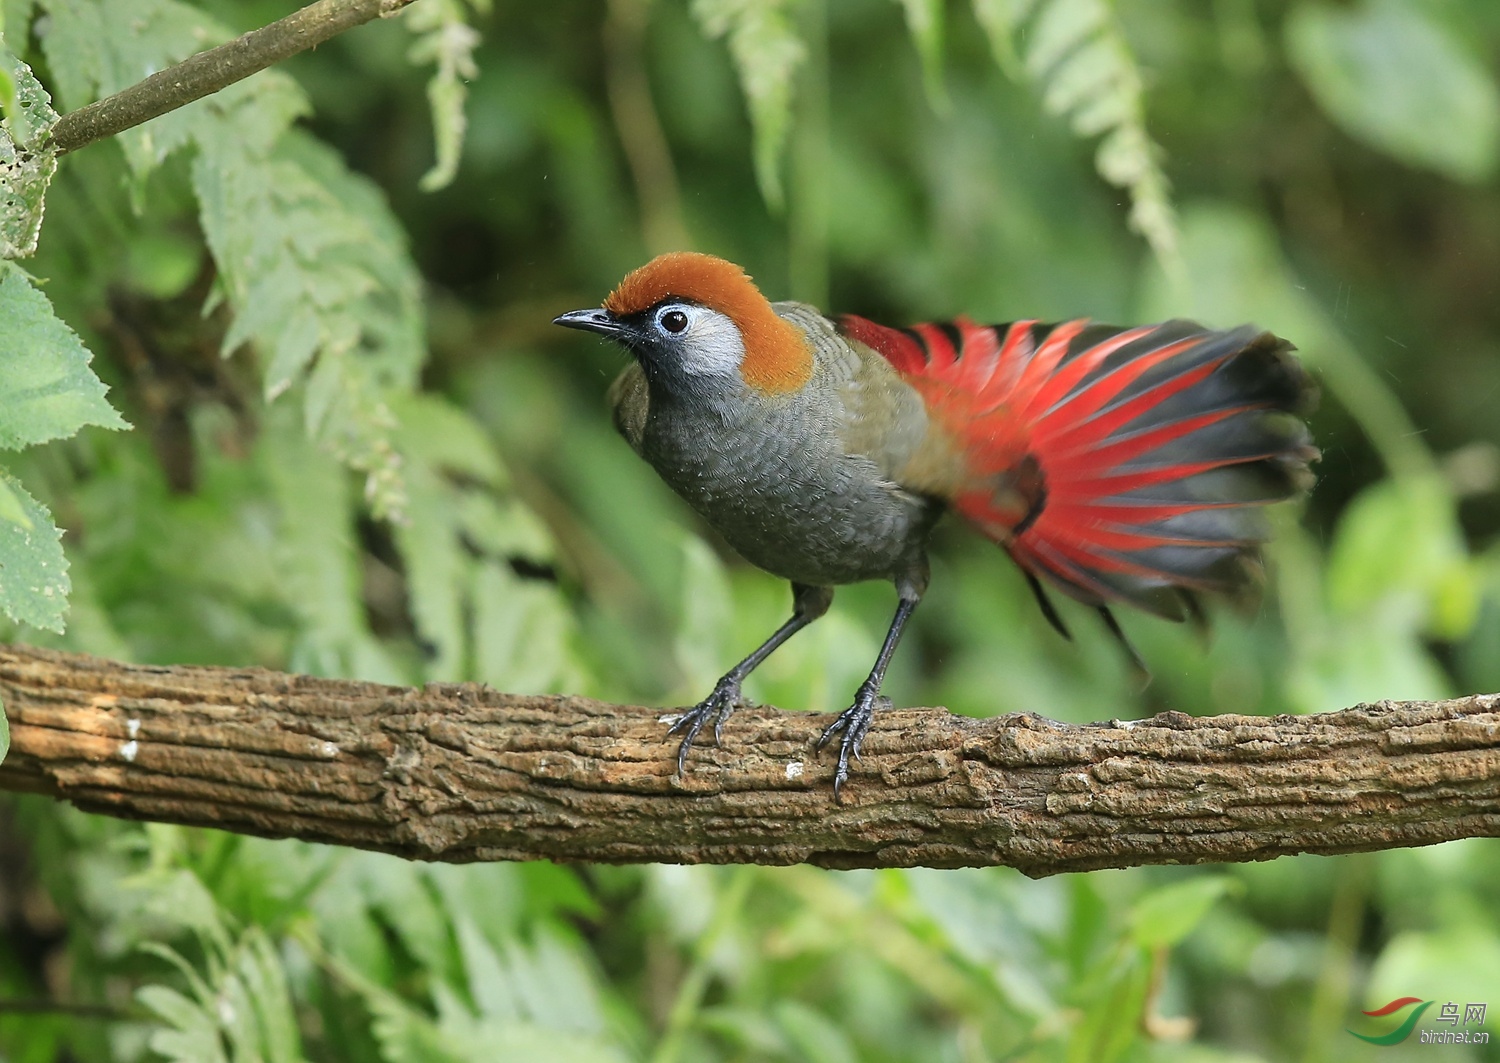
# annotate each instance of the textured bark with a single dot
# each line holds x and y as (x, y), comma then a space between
(460, 773)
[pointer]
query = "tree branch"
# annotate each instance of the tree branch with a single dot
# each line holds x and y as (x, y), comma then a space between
(208, 72)
(462, 772)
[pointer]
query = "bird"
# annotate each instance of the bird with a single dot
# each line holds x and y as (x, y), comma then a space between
(1115, 465)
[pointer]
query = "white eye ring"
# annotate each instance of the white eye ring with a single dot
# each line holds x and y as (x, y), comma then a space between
(703, 341)
(673, 320)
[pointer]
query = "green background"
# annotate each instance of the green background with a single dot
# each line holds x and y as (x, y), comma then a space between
(403, 472)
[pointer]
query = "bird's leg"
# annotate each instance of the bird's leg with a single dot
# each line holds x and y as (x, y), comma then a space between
(855, 720)
(808, 603)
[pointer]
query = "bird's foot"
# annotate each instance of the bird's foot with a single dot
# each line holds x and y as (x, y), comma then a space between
(718, 707)
(853, 722)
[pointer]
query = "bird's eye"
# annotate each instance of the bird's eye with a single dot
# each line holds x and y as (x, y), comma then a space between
(674, 321)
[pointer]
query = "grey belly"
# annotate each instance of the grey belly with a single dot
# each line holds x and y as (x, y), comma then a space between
(811, 533)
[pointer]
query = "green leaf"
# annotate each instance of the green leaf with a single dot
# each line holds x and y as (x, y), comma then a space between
(766, 52)
(240, 1000)
(452, 473)
(15, 17)
(27, 162)
(318, 559)
(707, 611)
(1393, 77)
(406, 1035)
(1399, 547)
(192, 1034)
(11, 508)
(47, 390)
(1165, 916)
(267, 1029)
(33, 570)
(439, 572)
(447, 437)
(521, 632)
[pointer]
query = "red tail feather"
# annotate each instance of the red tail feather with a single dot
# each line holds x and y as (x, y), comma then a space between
(1118, 464)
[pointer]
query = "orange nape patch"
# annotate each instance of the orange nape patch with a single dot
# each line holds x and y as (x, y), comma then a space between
(777, 355)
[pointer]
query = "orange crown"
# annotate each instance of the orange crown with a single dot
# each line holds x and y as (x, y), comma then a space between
(777, 357)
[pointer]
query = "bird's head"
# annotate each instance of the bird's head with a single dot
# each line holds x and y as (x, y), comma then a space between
(698, 322)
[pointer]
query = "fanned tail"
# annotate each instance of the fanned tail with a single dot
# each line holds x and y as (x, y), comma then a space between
(1120, 465)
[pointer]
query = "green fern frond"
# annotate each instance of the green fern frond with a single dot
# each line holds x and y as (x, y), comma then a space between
(767, 54)
(310, 259)
(1075, 52)
(447, 40)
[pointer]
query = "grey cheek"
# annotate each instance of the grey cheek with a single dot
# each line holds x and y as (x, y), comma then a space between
(715, 349)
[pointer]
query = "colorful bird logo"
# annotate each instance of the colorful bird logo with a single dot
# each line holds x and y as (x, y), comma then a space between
(1402, 1032)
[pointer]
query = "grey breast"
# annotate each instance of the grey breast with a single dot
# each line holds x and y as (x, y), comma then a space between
(792, 481)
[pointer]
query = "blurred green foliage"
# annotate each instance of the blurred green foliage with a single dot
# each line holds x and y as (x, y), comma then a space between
(400, 471)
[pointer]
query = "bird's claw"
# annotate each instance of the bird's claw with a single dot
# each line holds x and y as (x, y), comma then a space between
(854, 722)
(718, 707)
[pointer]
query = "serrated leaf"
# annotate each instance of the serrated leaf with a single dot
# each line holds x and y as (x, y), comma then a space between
(1165, 916)
(1393, 77)
(309, 257)
(27, 162)
(491, 983)
(47, 390)
(448, 521)
(33, 571)
(316, 271)
(292, 342)
(25, 106)
(767, 53)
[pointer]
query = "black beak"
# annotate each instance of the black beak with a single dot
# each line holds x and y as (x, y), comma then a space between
(596, 320)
